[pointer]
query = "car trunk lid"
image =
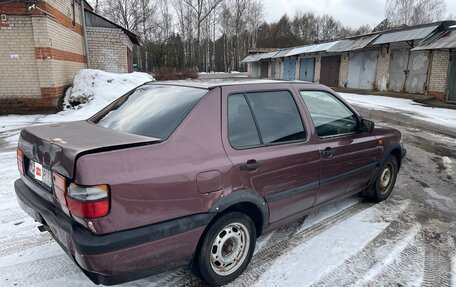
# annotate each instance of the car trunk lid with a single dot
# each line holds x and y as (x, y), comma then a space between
(57, 146)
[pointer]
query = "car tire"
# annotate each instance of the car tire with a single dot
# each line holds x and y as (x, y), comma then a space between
(383, 185)
(226, 249)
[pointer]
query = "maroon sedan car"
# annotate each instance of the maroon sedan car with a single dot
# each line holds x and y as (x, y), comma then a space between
(190, 174)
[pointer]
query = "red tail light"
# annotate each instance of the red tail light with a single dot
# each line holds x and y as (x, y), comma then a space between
(20, 160)
(88, 201)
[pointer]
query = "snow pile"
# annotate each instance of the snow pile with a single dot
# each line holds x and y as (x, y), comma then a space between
(444, 117)
(93, 90)
(99, 88)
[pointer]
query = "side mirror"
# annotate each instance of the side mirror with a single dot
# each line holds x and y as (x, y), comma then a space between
(367, 126)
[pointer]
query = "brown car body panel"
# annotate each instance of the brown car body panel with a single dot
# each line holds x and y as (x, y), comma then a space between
(195, 172)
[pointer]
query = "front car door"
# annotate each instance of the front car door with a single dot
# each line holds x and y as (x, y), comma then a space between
(266, 139)
(348, 156)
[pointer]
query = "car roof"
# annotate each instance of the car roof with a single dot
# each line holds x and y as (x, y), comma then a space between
(214, 83)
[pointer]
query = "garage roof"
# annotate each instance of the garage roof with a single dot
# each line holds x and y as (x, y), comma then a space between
(352, 44)
(268, 55)
(282, 53)
(252, 58)
(95, 20)
(445, 40)
(322, 47)
(407, 34)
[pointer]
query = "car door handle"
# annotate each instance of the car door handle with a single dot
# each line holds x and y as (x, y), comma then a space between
(250, 165)
(327, 152)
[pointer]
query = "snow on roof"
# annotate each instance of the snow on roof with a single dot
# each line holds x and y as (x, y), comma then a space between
(322, 47)
(252, 58)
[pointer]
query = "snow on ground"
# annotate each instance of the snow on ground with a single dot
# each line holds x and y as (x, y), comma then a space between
(448, 164)
(444, 117)
(328, 211)
(325, 251)
(453, 267)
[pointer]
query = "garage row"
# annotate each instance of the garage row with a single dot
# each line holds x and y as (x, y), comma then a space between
(419, 59)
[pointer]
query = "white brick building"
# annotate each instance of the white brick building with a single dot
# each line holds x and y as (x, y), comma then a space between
(42, 47)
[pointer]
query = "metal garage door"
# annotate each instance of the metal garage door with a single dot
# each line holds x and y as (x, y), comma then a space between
(289, 68)
(273, 69)
(279, 72)
(255, 70)
(417, 72)
(397, 70)
(264, 69)
(361, 69)
(451, 96)
(408, 71)
(307, 69)
(329, 73)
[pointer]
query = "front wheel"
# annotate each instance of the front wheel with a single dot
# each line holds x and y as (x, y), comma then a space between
(227, 248)
(384, 183)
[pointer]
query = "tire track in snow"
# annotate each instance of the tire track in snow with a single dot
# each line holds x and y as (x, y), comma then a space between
(384, 250)
(404, 254)
(361, 268)
(264, 259)
(437, 271)
(403, 263)
(453, 269)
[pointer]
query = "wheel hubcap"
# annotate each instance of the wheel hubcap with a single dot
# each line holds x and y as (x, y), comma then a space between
(230, 248)
(385, 177)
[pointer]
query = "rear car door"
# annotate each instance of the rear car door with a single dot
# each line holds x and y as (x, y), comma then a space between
(265, 138)
(348, 156)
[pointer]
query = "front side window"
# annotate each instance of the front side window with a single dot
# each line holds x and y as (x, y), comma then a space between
(330, 116)
(150, 110)
(277, 116)
(263, 118)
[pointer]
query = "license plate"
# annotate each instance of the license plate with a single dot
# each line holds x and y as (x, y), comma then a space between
(40, 173)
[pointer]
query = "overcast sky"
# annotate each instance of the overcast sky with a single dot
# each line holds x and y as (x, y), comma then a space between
(352, 13)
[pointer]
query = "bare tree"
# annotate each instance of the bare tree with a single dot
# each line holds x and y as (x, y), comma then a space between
(414, 12)
(201, 9)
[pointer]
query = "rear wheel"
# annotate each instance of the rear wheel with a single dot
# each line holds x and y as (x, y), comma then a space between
(383, 186)
(227, 248)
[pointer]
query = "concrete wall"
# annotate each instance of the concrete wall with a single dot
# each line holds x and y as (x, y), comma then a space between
(343, 71)
(317, 68)
(382, 75)
(439, 73)
(108, 49)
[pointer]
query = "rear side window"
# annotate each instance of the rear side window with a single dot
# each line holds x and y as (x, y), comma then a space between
(330, 116)
(150, 110)
(241, 126)
(267, 118)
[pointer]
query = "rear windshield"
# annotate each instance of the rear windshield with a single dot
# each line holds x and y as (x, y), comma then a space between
(150, 110)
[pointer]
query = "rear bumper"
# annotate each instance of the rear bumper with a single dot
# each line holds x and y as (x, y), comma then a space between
(121, 256)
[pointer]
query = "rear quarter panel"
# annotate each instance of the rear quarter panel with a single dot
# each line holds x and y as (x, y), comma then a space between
(155, 183)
